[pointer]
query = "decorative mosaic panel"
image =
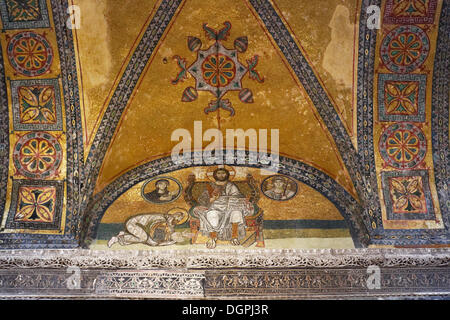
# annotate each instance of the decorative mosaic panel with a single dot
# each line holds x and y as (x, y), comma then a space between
(407, 195)
(36, 105)
(409, 11)
(37, 155)
(401, 97)
(24, 14)
(30, 54)
(405, 49)
(403, 146)
(36, 205)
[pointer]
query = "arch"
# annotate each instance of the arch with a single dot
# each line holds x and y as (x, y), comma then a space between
(349, 208)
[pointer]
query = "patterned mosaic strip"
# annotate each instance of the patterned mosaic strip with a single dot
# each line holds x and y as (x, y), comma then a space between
(440, 114)
(4, 137)
(398, 84)
(71, 98)
(37, 105)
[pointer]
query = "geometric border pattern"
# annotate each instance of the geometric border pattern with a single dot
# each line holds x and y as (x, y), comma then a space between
(71, 101)
(9, 25)
(15, 84)
(440, 114)
(31, 225)
(385, 181)
(365, 119)
(4, 137)
(421, 79)
(74, 171)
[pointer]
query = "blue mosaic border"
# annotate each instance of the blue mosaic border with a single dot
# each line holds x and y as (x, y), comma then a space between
(366, 56)
(440, 114)
(15, 84)
(350, 209)
(74, 147)
(429, 215)
(420, 116)
(36, 24)
(74, 130)
(4, 137)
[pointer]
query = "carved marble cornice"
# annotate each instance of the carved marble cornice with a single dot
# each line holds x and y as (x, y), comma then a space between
(202, 259)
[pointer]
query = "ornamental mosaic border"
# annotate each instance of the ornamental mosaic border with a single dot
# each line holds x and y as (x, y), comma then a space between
(345, 203)
(4, 137)
(364, 101)
(123, 91)
(421, 78)
(35, 24)
(440, 114)
(74, 149)
(69, 76)
(14, 84)
(366, 56)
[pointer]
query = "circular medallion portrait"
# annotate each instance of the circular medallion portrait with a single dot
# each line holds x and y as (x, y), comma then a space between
(279, 188)
(161, 190)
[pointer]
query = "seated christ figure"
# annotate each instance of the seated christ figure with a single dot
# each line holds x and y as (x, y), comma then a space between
(222, 210)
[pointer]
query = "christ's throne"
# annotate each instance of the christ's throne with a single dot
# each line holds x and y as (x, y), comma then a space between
(254, 222)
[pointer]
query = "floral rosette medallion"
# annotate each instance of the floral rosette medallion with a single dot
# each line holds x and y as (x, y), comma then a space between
(217, 69)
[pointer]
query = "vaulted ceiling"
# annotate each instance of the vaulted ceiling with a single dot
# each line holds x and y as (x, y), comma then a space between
(323, 78)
